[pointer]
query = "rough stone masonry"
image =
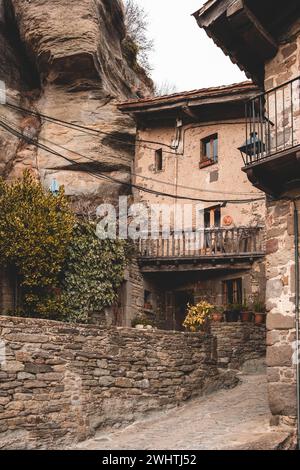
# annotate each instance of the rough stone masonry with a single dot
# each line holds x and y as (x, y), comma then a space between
(59, 383)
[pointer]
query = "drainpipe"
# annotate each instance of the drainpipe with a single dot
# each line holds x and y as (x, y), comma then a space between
(176, 144)
(297, 279)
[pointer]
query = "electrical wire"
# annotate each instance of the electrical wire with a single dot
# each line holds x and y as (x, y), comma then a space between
(206, 191)
(89, 130)
(100, 175)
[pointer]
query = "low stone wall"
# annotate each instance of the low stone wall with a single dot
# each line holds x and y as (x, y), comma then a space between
(59, 383)
(237, 343)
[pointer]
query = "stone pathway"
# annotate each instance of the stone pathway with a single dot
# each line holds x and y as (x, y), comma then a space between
(228, 419)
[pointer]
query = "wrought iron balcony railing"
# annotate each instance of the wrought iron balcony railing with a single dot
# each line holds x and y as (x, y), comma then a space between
(213, 242)
(273, 122)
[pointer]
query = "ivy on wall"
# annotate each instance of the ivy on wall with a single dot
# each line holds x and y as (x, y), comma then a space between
(93, 273)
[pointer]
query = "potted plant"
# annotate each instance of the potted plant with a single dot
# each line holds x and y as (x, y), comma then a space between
(217, 314)
(246, 314)
(232, 313)
(198, 316)
(259, 312)
(141, 322)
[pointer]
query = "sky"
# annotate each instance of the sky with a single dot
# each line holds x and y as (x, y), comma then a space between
(184, 55)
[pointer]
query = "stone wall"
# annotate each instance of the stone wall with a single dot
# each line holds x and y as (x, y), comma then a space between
(59, 383)
(280, 266)
(285, 65)
(238, 343)
(281, 308)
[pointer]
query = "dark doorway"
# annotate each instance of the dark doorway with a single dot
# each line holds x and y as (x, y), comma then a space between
(212, 217)
(182, 299)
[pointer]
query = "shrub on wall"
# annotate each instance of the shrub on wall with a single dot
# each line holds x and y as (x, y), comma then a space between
(35, 231)
(93, 273)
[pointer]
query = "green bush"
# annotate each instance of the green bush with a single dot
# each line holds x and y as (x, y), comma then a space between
(35, 232)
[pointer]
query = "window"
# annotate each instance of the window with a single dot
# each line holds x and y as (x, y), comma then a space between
(158, 160)
(233, 292)
(209, 150)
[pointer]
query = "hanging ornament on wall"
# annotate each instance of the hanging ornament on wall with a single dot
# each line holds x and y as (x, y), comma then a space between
(228, 220)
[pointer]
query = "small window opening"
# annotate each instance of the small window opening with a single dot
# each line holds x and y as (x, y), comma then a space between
(158, 160)
(209, 149)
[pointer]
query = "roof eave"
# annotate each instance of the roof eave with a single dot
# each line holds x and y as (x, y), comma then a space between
(161, 106)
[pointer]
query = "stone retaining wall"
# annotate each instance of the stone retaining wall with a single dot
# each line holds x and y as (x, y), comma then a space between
(238, 343)
(59, 383)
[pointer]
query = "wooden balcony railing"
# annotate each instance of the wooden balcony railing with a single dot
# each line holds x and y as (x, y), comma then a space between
(213, 242)
(273, 122)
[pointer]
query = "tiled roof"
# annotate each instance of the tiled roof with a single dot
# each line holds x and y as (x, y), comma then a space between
(205, 7)
(191, 95)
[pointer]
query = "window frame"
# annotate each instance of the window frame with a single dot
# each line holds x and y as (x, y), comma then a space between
(215, 214)
(212, 140)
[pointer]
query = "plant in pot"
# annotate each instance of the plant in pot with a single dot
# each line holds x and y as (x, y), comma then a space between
(259, 312)
(246, 314)
(198, 316)
(217, 314)
(141, 322)
(232, 313)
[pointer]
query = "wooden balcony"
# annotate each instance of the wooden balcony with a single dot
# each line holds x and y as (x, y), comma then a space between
(272, 154)
(206, 249)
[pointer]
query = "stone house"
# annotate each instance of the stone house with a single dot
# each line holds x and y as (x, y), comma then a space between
(263, 38)
(188, 160)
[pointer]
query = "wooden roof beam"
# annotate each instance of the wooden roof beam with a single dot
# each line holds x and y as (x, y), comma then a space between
(246, 25)
(189, 113)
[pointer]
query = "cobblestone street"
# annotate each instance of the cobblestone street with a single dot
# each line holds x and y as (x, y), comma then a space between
(228, 419)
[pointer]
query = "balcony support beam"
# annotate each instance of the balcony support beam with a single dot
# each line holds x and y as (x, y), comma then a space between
(232, 264)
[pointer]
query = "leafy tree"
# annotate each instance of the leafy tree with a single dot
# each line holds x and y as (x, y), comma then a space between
(93, 273)
(35, 231)
(136, 22)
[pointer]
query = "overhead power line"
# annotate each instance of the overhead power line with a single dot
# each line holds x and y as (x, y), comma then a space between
(90, 130)
(127, 160)
(102, 176)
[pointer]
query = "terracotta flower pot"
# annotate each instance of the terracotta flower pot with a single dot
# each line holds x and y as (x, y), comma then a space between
(217, 317)
(246, 316)
(259, 318)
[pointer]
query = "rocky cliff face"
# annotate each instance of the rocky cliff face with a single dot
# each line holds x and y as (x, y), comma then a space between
(68, 60)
